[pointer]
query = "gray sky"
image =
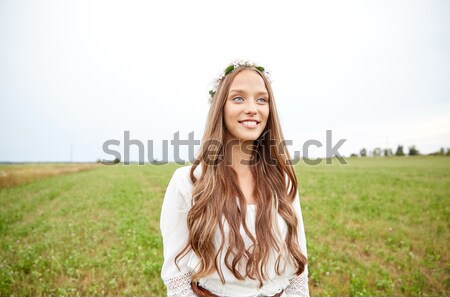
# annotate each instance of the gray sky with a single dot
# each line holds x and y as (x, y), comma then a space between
(77, 73)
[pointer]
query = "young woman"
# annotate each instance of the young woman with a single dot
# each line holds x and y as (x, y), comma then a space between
(231, 222)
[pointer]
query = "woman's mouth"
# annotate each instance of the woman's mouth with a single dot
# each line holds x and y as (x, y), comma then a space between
(249, 124)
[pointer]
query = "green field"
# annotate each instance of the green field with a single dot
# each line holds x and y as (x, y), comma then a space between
(377, 226)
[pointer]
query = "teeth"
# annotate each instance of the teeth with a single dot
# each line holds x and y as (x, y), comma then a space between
(249, 123)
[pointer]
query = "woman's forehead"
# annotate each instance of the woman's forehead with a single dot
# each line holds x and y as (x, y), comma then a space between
(248, 79)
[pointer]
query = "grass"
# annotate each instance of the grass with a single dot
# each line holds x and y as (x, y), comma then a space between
(377, 226)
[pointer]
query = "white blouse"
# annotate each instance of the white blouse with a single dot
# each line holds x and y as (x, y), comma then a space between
(176, 205)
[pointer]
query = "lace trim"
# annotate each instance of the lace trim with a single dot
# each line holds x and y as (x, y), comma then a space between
(299, 286)
(180, 286)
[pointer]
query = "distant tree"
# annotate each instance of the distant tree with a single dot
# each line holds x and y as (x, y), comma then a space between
(353, 155)
(448, 152)
(377, 152)
(413, 151)
(442, 151)
(363, 152)
(388, 152)
(399, 151)
(110, 162)
(437, 153)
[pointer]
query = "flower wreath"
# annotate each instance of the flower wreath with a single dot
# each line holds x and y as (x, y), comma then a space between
(229, 69)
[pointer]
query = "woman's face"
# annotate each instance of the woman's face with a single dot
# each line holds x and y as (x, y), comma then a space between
(247, 107)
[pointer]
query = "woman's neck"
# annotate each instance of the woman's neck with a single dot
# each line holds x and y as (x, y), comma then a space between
(239, 156)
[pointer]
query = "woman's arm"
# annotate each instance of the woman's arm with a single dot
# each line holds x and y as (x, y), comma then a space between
(298, 286)
(175, 234)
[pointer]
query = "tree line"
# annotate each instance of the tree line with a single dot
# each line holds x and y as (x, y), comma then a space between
(387, 152)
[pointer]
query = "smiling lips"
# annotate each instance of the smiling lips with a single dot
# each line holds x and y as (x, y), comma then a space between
(249, 123)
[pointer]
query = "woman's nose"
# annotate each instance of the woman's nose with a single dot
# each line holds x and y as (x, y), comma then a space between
(251, 107)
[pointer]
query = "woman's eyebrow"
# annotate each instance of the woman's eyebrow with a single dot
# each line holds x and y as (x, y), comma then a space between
(244, 92)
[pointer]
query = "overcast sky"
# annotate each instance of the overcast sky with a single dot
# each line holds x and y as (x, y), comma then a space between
(74, 74)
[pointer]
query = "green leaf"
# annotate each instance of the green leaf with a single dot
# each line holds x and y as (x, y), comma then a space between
(229, 69)
(260, 68)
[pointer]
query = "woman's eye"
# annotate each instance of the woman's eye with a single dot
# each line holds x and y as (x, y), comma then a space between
(238, 99)
(262, 100)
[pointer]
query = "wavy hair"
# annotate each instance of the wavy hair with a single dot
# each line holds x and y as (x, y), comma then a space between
(214, 208)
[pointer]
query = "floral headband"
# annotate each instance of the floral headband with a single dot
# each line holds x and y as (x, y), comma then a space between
(230, 69)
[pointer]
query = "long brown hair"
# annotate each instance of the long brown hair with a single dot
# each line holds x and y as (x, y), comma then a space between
(214, 204)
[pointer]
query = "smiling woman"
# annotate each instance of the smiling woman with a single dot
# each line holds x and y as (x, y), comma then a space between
(231, 222)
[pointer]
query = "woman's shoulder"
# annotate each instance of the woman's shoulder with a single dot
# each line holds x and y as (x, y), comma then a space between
(185, 172)
(182, 176)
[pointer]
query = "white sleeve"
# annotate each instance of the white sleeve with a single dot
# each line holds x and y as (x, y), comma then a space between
(175, 234)
(298, 286)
